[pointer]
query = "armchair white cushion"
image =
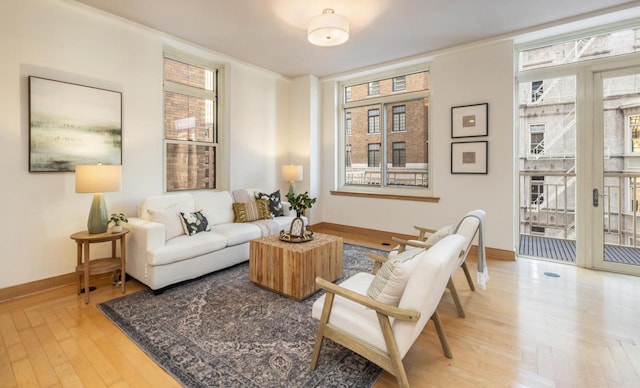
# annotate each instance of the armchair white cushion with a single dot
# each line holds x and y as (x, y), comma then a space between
(381, 332)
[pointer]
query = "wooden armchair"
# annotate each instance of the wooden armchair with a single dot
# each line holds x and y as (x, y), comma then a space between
(376, 328)
(469, 227)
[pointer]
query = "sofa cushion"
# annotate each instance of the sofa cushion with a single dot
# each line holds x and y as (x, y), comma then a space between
(275, 202)
(216, 206)
(185, 247)
(388, 284)
(194, 223)
(182, 201)
(170, 218)
(347, 314)
(251, 211)
(237, 233)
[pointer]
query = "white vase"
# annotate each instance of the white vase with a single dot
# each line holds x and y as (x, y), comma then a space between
(116, 229)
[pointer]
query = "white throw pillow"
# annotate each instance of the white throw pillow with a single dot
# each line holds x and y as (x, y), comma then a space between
(390, 281)
(170, 218)
(439, 235)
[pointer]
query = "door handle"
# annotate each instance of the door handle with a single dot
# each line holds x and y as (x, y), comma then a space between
(595, 197)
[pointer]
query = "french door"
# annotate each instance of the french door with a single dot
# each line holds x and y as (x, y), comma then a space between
(579, 164)
(615, 178)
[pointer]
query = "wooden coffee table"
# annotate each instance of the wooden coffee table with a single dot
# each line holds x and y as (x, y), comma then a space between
(291, 268)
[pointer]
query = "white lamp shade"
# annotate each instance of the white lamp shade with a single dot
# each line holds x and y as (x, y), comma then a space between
(292, 173)
(98, 178)
(328, 29)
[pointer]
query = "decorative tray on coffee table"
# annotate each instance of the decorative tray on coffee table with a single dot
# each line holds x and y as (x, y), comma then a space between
(307, 235)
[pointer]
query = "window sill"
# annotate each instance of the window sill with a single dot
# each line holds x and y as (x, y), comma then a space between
(386, 196)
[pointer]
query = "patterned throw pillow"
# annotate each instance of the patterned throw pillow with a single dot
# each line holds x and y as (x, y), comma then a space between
(388, 285)
(194, 223)
(275, 202)
(251, 211)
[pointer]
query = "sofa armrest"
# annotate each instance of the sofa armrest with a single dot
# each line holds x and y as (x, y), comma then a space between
(145, 236)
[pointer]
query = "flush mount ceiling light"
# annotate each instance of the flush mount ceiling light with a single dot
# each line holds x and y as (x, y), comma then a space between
(328, 29)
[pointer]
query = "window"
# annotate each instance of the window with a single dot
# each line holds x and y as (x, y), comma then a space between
(605, 45)
(374, 88)
(190, 123)
(399, 119)
(536, 91)
(399, 154)
(537, 190)
(538, 229)
(374, 121)
(373, 155)
(399, 83)
(387, 134)
(347, 94)
(536, 132)
(634, 128)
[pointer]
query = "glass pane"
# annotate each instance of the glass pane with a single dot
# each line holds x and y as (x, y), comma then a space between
(360, 147)
(189, 75)
(579, 50)
(407, 151)
(190, 166)
(546, 157)
(188, 118)
(621, 112)
(412, 83)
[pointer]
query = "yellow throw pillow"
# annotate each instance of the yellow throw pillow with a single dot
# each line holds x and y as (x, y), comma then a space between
(251, 211)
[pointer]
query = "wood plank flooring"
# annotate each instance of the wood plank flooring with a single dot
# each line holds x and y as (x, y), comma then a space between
(581, 329)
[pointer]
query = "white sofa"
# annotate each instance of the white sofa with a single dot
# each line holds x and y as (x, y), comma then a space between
(159, 258)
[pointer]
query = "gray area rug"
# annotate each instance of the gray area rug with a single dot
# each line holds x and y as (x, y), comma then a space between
(221, 330)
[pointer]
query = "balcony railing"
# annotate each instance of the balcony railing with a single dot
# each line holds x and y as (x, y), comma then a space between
(547, 207)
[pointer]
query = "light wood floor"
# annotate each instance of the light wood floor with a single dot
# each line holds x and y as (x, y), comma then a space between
(526, 329)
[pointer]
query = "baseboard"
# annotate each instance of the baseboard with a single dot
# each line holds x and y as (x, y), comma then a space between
(37, 286)
(70, 278)
(492, 253)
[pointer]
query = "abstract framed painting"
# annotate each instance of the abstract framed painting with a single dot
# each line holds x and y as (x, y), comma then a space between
(470, 120)
(469, 157)
(71, 124)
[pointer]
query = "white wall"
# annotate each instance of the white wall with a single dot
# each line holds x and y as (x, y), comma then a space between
(471, 76)
(64, 41)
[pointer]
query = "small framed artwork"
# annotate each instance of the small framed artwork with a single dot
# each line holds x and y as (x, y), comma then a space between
(72, 124)
(469, 157)
(297, 228)
(470, 120)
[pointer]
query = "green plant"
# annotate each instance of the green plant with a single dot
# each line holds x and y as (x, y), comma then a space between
(118, 218)
(300, 202)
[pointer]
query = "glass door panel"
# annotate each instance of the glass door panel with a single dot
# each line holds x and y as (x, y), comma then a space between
(617, 116)
(547, 168)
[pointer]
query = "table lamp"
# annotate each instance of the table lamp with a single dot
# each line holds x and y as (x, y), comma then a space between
(292, 174)
(98, 179)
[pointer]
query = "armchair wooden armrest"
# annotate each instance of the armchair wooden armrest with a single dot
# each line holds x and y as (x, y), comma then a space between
(422, 232)
(382, 308)
(404, 243)
(378, 261)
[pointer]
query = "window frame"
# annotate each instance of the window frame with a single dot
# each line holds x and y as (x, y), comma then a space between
(217, 144)
(395, 98)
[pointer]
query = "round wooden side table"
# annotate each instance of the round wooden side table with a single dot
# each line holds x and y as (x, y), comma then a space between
(86, 267)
